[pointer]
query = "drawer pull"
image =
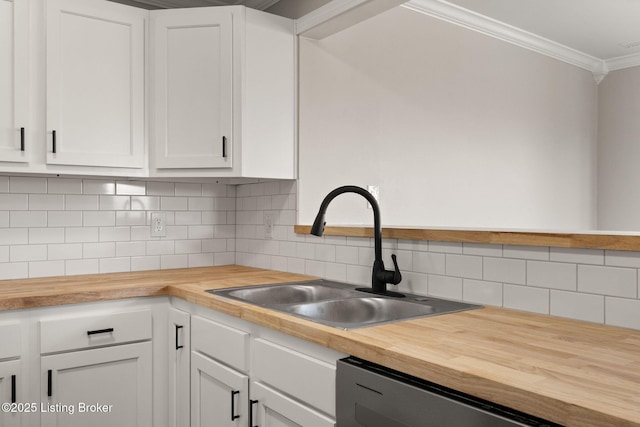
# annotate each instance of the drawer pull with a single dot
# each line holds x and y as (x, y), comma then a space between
(22, 139)
(233, 405)
(251, 403)
(13, 389)
(100, 331)
(178, 346)
(224, 146)
(49, 383)
(53, 142)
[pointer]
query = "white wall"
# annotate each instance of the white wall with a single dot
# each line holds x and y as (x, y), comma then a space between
(458, 129)
(619, 150)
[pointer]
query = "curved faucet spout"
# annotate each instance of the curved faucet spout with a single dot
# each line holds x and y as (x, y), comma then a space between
(380, 277)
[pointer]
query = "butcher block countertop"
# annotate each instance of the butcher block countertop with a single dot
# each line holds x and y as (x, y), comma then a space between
(567, 371)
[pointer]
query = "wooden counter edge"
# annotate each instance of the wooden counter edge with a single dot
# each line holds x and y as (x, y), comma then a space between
(619, 242)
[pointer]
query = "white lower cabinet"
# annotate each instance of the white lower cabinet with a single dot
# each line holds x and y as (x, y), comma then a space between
(245, 375)
(10, 392)
(271, 408)
(218, 393)
(179, 351)
(108, 386)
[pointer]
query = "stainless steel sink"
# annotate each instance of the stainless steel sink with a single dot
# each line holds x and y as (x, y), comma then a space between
(340, 305)
(288, 293)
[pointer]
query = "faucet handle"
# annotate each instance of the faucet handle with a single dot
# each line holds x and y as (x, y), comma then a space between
(397, 276)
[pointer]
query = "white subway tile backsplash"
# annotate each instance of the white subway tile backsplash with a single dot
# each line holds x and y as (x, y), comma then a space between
(4, 254)
(614, 281)
(64, 219)
(622, 312)
(64, 186)
(14, 270)
(504, 270)
(20, 253)
(131, 188)
(622, 259)
(115, 203)
(358, 274)
(337, 272)
(115, 265)
(4, 184)
(65, 251)
(4, 219)
(46, 202)
(81, 234)
(174, 203)
(46, 268)
(526, 298)
(75, 267)
(366, 256)
(144, 263)
(76, 202)
(14, 202)
(200, 260)
(98, 218)
(145, 203)
(98, 186)
(482, 249)
(156, 188)
(160, 247)
(554, 275)
(46, 235)
(130, 249)
(526, 252)
(115, 234)
(23, 184)
(124, 218)
(188, 189)
(414, 283)
(426, 262)
(577, 306)
(466, 266)
(27, 219)
(201, 232)
(578, 256)
(482, 292)
(446, 247)
(445, 287)
(14, 236)
(99, 250)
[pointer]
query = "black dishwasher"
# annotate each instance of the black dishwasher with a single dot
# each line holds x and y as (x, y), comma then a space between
(370, 395)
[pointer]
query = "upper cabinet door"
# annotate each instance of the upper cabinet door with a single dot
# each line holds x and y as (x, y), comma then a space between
(14, 74)
(193, 88)
(95, 83)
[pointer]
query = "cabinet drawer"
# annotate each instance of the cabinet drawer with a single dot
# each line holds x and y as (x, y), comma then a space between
(73, 333)
(10, 347)
(292, 372)
(224, 343)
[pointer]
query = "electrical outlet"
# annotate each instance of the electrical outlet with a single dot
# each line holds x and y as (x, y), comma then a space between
(269, 219)
(375, 192)
(158, 224)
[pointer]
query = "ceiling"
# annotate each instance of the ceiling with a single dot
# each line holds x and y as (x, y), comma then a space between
(170, 4)
(600, 28)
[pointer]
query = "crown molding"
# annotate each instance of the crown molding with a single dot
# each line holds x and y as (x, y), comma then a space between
(621, 62)
(338, 15)
(474, 21)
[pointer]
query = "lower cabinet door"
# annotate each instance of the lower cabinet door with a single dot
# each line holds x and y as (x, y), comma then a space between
(219, 394)
(269, 408)
(10, 393)
(101, 387)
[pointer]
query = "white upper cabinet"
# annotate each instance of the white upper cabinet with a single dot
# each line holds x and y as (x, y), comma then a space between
(95, 84)
(223, 97)
(14, 71)
(193, 88)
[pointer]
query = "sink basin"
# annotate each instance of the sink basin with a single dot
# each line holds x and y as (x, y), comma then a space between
(288, 293)
(340, 305)
(360, 311)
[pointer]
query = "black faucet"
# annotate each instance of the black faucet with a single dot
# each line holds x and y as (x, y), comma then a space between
(380, 277)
